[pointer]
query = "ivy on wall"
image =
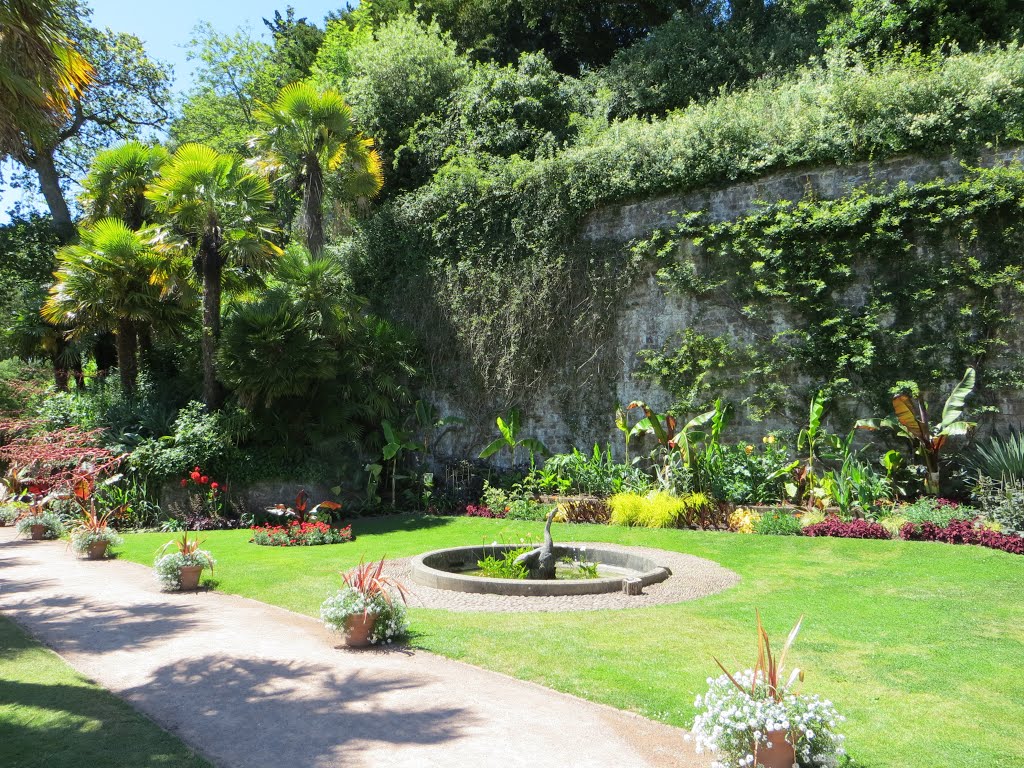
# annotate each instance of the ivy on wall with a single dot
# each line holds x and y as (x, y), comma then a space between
(852, 295)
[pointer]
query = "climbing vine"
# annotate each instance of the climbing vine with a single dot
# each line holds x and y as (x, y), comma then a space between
(852, 295)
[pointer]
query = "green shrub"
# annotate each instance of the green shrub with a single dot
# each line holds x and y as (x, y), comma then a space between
(778, 523)
(746, 474)
(1002, 501)
(931, 510)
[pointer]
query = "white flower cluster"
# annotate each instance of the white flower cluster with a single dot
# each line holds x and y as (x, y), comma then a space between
(166, 567)
(732, 722)
(391, 619)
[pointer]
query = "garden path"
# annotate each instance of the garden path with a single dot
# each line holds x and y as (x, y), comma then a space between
(250, 685)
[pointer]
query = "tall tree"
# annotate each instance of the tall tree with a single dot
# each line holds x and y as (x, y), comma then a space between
(234, 74)
(104, 283)
(130, 93)
(41, 71)
(308, 136)
(117, 180)
(296, 43)
(216, 213)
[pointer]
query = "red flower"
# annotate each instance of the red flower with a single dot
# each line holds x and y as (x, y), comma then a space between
(204, 479)
(215, 486)
(195, 475)
(196, 469)
(184, 482)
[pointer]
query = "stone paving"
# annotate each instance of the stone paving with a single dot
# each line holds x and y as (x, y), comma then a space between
(249, 685)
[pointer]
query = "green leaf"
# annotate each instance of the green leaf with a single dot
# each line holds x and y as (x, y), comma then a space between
(954, 406)
(390, 451)
(389, 432)
(492, 449)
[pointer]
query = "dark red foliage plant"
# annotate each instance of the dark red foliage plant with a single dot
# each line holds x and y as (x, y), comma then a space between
(847, 529)
(472, 510)
(959, 531)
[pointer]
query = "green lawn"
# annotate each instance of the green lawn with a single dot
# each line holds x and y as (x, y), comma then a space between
(52, 717)
(921, 645)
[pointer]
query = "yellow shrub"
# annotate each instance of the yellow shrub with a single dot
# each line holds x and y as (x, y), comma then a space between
(743, 520)
(656, 510)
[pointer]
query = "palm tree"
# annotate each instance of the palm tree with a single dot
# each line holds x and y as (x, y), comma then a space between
(40, 71)
(214, 213)
(308, 136)
(117, 180)
(104, 283)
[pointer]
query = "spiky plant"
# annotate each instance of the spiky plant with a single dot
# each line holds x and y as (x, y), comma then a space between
(308, 138)
(117, 180)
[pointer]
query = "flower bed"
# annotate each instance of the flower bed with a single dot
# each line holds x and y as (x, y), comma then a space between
(473, 510)
(298, 534)
(961, 531)
(847, 529)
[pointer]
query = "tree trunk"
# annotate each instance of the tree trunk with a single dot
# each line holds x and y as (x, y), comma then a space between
(49, 184)
(211, 266)
(313, 208)
(126, 360)
(144, 345)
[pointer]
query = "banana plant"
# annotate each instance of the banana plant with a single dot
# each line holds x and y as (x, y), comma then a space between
(912, 423)
(808, 437)
(398, 442)
(509, 429)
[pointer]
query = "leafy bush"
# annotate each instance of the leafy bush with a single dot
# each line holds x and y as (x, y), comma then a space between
(594, 511)
(928, 509)
(298, 534)
(848, 529)
(662, 510)
(774, 522)
(1002, 501)
(743, 474)
(527, 509)
(963, 532)
(594, 474)
(743, 520)
(10, 511)
(198, 437)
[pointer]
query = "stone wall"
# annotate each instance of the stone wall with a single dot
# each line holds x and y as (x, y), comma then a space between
(648, 317)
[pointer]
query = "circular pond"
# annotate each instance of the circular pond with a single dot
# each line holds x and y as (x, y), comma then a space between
(453, 568)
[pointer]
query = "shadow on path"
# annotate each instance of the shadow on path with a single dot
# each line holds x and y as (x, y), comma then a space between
(82, 625)
(293, 714)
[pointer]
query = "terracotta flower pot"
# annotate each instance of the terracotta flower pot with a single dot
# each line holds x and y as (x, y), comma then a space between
(358, 628)
(779, 755)
(189, 576)
(97, 550)
(37, 532)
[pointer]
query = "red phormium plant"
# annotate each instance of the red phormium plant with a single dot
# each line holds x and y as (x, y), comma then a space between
(769, 670)
(368, 579)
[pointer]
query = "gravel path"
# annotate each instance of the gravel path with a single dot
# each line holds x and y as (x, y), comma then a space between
(249, 685)
(692, 577)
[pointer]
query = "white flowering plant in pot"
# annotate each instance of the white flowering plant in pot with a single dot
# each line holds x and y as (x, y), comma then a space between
(92, 528)
(53, 528)
(372, 597)
(168, 565)
(756, 717)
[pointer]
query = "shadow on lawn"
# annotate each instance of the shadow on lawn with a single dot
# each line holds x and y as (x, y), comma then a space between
(88, 626)
(294, 714)
(408, 521)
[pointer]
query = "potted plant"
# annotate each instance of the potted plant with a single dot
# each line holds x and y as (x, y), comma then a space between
(10, 511)
(38, 523)
(91, 535)
(367, 608)
(181, 569)
(756, 718)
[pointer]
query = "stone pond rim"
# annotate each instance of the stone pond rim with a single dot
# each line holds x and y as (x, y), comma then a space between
(431, 570)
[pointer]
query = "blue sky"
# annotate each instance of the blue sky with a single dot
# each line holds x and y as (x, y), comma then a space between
(166, 25)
